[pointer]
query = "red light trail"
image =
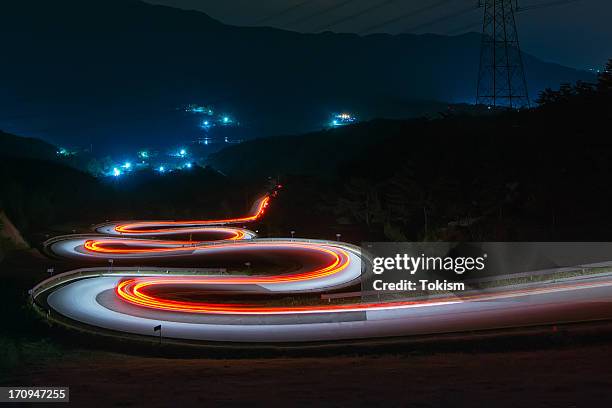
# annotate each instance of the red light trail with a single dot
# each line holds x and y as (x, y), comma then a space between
(144, 227)
(136, 299)
(331, 259)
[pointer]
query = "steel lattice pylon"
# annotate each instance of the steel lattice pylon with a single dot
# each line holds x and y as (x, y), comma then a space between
(501, 77)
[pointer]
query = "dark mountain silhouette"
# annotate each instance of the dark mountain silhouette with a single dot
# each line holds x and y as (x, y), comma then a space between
(40, 190)
(541, 174)
(26, 148)
(116, 70)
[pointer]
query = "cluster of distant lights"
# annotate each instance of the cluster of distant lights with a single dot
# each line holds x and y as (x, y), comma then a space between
(212, 120)
(62, 151)
(117, 171)
(337, 120)
(342, 119)
(199, 109)
(207, 124)
(127, 167)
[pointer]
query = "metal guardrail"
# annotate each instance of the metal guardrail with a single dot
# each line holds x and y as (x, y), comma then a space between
(107, 271)
(121, 271)
(346, 295)
(58, 238)
(53, 240)
(552, 272)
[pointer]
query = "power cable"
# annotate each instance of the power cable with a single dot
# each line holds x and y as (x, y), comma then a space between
(283, 12)
(319, 13)
(404, 16)
(357, 15)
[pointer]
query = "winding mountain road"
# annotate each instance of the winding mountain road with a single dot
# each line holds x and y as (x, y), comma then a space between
(207, 306)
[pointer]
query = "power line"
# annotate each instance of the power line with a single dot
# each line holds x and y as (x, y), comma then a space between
(404, 16)
(357, 15)
(476, 24)
(283, 12)
(546, 5)
(440, 19)
(394, 20)
(320, 12)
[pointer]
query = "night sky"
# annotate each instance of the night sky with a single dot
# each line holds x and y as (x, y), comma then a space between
(578, 34)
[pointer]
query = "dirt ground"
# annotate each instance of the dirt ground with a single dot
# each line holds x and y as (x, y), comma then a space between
(576, 377)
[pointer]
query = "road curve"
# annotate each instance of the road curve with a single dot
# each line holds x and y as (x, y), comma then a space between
(212, 306)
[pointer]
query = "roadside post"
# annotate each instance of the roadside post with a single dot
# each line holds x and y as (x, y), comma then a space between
(158, 328)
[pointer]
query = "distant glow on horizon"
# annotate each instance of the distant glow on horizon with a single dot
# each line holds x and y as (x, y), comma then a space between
(116, 172)
(342, 119)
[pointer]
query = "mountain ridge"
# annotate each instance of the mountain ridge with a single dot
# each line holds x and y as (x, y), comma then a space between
(118, 70)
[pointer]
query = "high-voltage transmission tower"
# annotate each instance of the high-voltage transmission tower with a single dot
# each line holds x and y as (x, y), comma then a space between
(501, 77)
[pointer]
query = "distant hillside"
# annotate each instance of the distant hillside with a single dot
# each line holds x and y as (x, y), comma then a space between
(541, 174)
(10, 233)
(319, 153)
(25, 147)
(39, 191)
(101, 71)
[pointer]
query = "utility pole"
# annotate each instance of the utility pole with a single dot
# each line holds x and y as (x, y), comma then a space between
(501, 77)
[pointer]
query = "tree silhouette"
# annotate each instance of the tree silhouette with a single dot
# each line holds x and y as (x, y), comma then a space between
(604, 84)
(361, 201)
